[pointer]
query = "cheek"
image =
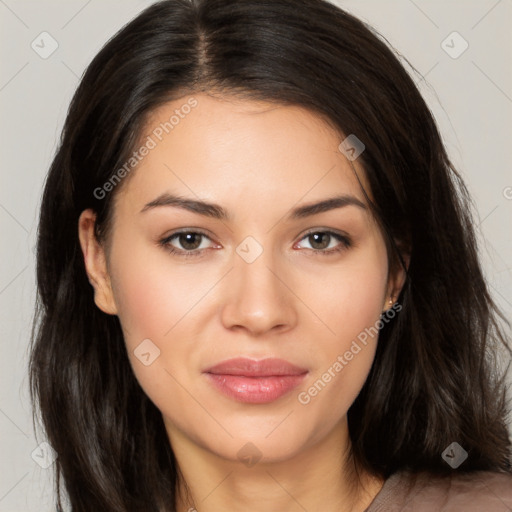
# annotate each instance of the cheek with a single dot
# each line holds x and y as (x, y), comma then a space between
(145, 303)
(159, 300)
(152, 298)
(153, 294)
(349, 303)
(350, 298)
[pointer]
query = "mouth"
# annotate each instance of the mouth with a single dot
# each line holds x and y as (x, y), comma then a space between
(256, 382)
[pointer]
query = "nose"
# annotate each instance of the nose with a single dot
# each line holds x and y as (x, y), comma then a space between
(259, 296)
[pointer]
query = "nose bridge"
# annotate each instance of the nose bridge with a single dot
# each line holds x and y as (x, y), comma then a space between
(257, 298)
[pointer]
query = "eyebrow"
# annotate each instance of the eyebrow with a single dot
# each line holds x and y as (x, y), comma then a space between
(216, 211)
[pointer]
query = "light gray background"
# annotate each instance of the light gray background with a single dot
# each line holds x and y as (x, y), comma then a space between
(471, 97)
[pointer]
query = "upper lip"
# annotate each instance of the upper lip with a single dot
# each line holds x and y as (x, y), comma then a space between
(251, 368)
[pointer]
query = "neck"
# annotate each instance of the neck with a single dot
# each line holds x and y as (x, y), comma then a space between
(322, 477)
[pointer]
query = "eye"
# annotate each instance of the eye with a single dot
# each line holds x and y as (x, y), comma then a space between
(191, 243)
(327, 242)
(323, 242)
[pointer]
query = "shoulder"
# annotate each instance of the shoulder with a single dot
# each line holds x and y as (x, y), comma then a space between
(423, 492)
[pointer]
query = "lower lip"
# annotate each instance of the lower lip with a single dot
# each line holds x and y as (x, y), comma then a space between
(255, 390)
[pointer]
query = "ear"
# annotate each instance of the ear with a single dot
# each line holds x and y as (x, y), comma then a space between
(397, 277)
(96, 263)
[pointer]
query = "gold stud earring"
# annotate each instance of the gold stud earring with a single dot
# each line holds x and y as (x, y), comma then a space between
(390, 302)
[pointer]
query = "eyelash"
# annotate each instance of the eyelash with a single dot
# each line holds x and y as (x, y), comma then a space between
(165, 242)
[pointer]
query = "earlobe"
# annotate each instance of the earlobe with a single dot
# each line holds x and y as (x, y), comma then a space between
(95, 263)
(397, 282)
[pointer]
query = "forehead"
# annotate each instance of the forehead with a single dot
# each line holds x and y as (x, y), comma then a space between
(243, 154)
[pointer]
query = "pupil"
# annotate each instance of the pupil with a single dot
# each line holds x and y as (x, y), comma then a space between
(317, 236)
(187, 242)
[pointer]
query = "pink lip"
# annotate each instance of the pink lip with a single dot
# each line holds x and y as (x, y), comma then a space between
(257, 382)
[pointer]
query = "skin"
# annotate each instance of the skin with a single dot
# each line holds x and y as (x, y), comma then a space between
(258, 161)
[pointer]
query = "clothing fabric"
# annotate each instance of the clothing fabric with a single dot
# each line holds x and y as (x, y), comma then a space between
(479, 491)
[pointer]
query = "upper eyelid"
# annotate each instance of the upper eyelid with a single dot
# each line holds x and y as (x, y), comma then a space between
(185, 231)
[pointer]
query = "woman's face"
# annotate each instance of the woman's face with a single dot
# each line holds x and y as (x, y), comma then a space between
(246, 284)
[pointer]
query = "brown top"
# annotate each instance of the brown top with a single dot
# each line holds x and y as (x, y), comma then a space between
(480, 491)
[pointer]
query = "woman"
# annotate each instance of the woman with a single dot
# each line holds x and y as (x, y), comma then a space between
(258, 277)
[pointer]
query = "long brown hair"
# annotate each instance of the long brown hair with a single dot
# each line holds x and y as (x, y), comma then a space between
(433, 380)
